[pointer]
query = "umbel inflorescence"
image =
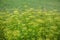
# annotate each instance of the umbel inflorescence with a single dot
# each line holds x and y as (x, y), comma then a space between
(30, 25)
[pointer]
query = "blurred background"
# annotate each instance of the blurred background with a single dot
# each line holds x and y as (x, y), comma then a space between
(10, 5)
(26, 4)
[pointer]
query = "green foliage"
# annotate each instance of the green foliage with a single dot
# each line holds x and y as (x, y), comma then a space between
(30, 25)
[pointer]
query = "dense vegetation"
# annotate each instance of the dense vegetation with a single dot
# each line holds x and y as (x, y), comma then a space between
(30, 24)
